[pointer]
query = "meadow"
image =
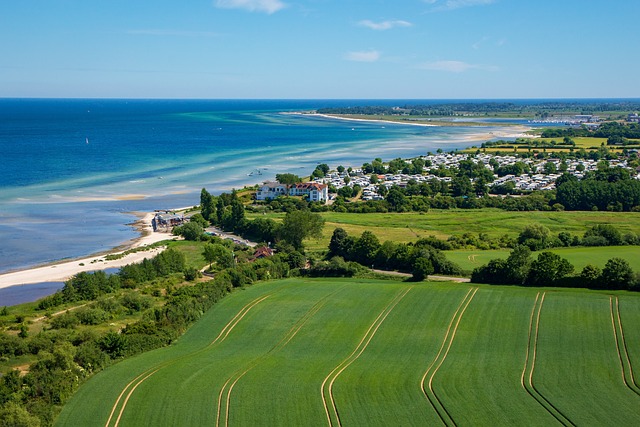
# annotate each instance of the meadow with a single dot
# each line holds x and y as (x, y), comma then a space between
(469, 259)
(364, 352)
(409, 227)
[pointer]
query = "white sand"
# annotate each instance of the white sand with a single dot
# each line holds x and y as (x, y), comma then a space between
(62, 271)
(353, 119)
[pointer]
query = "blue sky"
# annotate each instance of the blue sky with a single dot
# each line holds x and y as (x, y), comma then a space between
(423, 49)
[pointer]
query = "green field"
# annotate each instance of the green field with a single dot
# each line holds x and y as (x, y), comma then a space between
(578, 256)
(301, 352)
(408, 227)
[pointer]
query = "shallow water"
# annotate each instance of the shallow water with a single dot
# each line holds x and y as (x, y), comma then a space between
(74, 170)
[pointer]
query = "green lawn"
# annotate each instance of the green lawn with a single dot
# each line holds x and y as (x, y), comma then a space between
(301, 351)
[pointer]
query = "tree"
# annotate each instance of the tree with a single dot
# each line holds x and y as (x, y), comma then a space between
(550, 168)
(299, 225)
(547, 269)
(190, 231)
(535, 236)
(517, 265)
(209, 253)
(219, 254)
(590, 275)
(288, 178)
(365, 248)
(207, 205)
(617, 274)
(338, 244)
(461, 186)
(422, 267)
(13, 414)
(396, 199)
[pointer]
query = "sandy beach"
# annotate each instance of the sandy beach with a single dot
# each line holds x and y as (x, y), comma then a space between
(353, 119)
(64, 270)
(518, 131)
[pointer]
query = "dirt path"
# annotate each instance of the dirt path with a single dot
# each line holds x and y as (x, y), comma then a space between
(433, 277)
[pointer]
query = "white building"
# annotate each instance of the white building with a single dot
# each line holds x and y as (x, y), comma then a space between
(315, 192)
(271, 190)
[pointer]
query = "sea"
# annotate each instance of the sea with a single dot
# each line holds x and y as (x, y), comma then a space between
(74, 171)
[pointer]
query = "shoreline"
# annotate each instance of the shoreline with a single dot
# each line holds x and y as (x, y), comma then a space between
(353, 119)
(515, 131)
(60, 271)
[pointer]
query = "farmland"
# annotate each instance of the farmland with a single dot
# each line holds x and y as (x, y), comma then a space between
(365, 352)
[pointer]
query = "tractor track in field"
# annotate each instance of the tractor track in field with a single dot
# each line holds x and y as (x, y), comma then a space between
(437, 362)
(327, 394)
(280, 345)
(133, 384)
(621, 347)
(526, 380)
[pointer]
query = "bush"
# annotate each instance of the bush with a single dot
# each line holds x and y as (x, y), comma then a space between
(91, 316)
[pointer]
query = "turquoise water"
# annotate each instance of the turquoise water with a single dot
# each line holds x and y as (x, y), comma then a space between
(74, 170)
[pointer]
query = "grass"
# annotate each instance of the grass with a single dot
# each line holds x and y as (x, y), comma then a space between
(469, 259)
(588, 143)
(375, 340)
(408, 227)
(578, 367)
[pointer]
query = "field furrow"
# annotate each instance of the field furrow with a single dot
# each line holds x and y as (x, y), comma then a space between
(626, 369)
(426, 384)
(480, 382)
(577, 365)
(629, 312)
(495, 356)
(530, 364)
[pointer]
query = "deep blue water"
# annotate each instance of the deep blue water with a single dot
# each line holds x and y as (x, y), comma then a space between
(73, 169)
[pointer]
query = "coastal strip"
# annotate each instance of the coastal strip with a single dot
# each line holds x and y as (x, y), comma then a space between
(61, 271)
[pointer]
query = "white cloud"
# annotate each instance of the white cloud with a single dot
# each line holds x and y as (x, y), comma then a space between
(455, 66)
(363, 56)
(268, 6)
(441, 5)
(384, 25)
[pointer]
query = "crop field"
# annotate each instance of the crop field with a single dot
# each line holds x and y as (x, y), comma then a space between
(335, 352)
(580, 256)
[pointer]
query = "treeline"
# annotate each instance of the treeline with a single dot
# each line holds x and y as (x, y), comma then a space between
(607, 188)
(605, 130)
(90, 286)
(420, 258)
(542, 108)
(68, 355)
(228, 212)
(550, 269)
(436, 109)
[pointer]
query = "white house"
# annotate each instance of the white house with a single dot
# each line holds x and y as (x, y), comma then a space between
(314, 191)
(271, 190)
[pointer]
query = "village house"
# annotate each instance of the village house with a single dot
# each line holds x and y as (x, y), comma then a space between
(271, 190)
(313, 191)
(166, 220)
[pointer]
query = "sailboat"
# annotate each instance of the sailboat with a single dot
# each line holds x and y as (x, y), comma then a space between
(87, 140)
